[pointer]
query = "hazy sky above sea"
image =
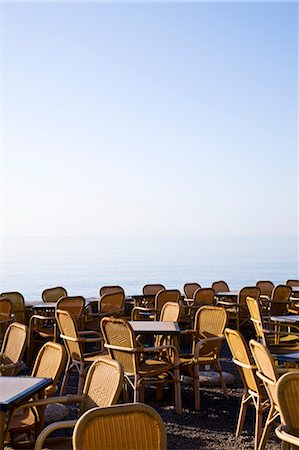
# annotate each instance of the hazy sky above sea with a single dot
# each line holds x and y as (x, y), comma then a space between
(149, 119)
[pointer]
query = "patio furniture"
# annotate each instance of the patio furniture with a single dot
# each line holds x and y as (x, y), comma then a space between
(207, 337)
(238, 311)
(102, 387)
(162, 297)
(13, 348)
(122, 347)
(190, 288)
(110, 290)
(52, 295)
(6, 317)
(18, 305)
(120, 427)
(280, 300)
(110, 304)
(287, 394)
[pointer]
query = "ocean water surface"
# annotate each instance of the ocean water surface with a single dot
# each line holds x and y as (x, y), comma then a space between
(83, 264)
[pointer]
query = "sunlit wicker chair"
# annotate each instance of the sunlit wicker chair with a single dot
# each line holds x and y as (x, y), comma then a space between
(280, 300)
(52, 295)
(276, 341)
(287, 394)
(122, 347)
(102, 387)
(238, 312)
(6, 317)
(253, 388)
(266, 288)
(110, 304)
(162, 297)
(208, 335)
(18, 305)
(190, 288)
(120, 427)
(74, 341)
(268, 373)
(49, 363)
(150, 291)
(13, 348)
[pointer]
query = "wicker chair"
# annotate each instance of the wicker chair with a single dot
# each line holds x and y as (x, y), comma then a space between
(122, 347)
(13, 348)
(110, 304)
(52, 295)
(253, 389)
(266, 287)
(18, 305)
(276, 341)
(110, 290)
(208, 335)
(190, 288)
(150, 291)
(120, 427)
(280, 300)
(74, 341)
(49, 363)
(238, 312)
(102, 388)
(162, 297)
(268, 373)
(287, 394)
(6, 317)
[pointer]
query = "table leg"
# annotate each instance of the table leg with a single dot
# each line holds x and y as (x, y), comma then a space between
(2, 429)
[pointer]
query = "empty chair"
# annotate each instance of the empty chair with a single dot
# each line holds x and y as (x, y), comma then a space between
(122, 347)
(266, 289)
(52, 295)
(110, 304)
(102, 388)
(49, 363)
(18, 305)
(74, 342)
(170, 312)
(203, 296)
(6, 316)
(280, 300)
(13, 348)
(287, 394)
(162, 297)
(190, 288)
(220, 286)
(110, 290)
(208, 335)
(295, 284)
(253, 390)
(238, 312)
(120, 427)
(150, 291)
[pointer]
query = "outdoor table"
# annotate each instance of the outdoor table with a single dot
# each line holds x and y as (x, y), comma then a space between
(14, 391)
(290, 320)
(227, 294)
(292, 357)
(295, 289)
(155, 327)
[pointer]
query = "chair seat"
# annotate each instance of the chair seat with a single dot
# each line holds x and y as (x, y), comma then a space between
(186, 360)
(22, 420)
(152, 367)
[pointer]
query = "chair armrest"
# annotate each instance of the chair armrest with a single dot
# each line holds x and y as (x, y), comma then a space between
(52, 400)
(212, 344)
(283, 434)
(222, 302)
(50, 429)
(39, 317)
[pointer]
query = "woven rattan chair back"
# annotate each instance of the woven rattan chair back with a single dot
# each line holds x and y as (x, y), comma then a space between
(210, 321)
(242, 358)
(74, 305)
(280, 300)
(287, 394)
(204, 296)
(292, 283)
(13, 346)
(5, 308)
(119, 333)
(266, 287)
(190, 289)
(245, 292)
(69, 333)
(220, 286)
(49, 363)
(152, 289)
(167, 295)
(103, 384)
(256, 317)
(112, 301)
(52, 295)
(170, 312)
(120, 427)
(266, 368)
(110, 290)
(18, 305)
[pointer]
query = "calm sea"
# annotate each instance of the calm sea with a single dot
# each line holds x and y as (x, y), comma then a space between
(83, 264)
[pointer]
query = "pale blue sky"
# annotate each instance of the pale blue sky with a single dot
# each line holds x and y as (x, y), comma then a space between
(150, 119)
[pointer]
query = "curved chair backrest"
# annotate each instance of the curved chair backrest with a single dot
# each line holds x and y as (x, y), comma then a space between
(266, 287)
(256, 317)
(220, 286)
(152, 289)
(242, 358)
(287, 393)
(18, 305)
(103, 384)
(170, 312)
(210, 321)
(50, 363)
(292, 283)
(52, 295)
(204, 296)
(69, 333)
(280, 299)
(119, 333)
(190, 289)
(110, 289)
(132, 426)
(112, 301)
(167, 295)
(14, 345)
(266, 368)
(74, 305)
(248, 291)
(5, 308)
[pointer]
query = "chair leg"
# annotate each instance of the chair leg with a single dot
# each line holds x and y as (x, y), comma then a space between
(136, 389)
(267, 428)
(222, 381)
(242, 414)
(81, 379)
(196, 388)
(177, 391)
(66, 377)
(159, 393)
(258, 423)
